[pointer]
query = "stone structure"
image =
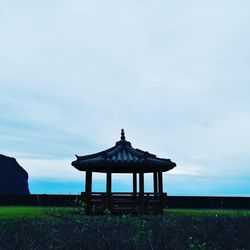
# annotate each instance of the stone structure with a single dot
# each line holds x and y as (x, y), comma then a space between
(13, 178)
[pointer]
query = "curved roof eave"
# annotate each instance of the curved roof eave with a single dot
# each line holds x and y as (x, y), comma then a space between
(121, 155)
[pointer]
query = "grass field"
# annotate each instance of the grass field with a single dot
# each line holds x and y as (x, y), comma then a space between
(15, 212)
(19, 212)
(207, 212)
(64, 228)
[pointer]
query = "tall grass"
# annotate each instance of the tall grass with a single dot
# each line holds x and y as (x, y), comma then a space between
(70, 230)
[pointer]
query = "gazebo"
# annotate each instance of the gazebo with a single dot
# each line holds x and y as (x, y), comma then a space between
(123, 158)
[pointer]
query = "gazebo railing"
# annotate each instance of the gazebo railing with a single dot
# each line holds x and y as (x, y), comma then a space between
(124, 193)
(119, 201)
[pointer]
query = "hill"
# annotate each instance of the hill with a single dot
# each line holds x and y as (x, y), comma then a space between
(13, 178)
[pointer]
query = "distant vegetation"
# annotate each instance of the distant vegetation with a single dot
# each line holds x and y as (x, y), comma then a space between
(65, 228)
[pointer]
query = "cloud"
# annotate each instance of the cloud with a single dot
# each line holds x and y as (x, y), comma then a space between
(175, 76)
(51, 169)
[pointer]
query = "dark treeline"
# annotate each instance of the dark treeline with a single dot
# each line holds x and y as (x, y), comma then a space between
(172, 201)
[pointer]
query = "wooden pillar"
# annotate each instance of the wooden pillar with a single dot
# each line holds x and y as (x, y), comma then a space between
(88, 189)
(134, 183)
(108, 190)
(141, 187)
(88, 182)
(155, 182)
(108, 183)
(160, 182)
(141, 177)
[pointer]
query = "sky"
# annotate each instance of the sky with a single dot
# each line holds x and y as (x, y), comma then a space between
(174, 74)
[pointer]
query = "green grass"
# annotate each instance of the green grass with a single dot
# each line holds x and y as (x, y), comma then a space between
(20, 212)
(17, 212)
(207, 212)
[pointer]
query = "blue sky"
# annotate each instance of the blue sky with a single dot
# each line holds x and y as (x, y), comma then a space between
(174, 74)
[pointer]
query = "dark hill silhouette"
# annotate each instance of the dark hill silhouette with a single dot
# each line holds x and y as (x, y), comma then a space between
(13, 178)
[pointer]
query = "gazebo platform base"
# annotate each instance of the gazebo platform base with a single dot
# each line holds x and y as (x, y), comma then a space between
(124, 203)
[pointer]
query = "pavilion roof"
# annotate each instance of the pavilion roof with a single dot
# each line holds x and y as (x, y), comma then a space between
(122, 158)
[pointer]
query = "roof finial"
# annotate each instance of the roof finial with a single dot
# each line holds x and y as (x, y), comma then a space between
(122, 135)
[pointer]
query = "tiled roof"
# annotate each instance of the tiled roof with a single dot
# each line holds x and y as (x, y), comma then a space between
(122, 154)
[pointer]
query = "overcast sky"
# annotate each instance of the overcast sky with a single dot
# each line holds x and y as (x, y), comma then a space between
(174, 74)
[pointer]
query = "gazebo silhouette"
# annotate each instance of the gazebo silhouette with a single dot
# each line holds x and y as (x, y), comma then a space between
(123, 158)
